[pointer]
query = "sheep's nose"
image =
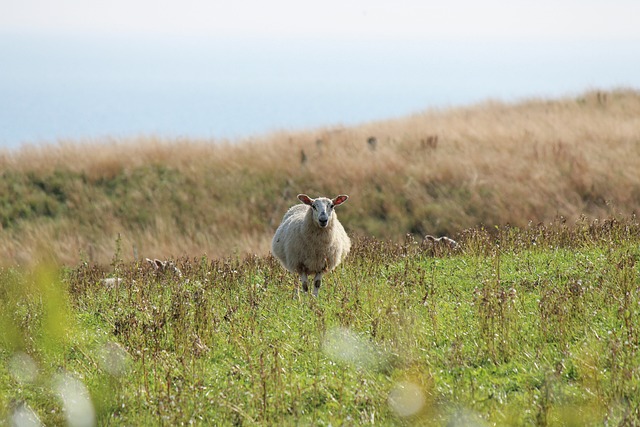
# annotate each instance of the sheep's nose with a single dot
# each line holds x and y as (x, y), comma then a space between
(323, 222)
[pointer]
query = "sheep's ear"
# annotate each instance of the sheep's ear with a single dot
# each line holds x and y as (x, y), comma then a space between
(340, 199)
(159, 264)
(305, 199)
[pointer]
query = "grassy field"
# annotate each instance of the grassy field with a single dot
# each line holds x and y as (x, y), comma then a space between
(436, 172)
(536, 325)
(533, 320)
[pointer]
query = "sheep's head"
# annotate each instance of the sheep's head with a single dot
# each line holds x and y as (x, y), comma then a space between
(322, 207)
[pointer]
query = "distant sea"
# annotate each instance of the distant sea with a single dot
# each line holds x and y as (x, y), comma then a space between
(85, 88)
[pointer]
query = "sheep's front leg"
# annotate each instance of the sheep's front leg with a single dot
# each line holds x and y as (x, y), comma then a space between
(316, 284)
(305, 283)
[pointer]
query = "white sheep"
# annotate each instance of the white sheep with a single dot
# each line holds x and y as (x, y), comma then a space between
(111, 282)
(311, 240)
(444, 240)
(164, 267)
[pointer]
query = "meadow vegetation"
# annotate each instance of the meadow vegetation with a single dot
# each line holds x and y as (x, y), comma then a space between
(518, 326)
(533, 319)
(436, 172)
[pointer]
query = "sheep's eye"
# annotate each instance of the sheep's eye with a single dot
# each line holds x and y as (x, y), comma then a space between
(314, 207)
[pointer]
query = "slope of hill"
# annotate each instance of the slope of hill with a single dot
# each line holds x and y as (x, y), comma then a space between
(435, 172)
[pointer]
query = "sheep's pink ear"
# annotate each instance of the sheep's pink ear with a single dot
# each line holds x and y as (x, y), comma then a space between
(340, 199)
(305, 199)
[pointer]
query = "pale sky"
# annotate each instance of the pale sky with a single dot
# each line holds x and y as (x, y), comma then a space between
(80, 68)
(361, 19)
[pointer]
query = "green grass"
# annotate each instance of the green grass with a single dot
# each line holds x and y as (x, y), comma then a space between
(532, 326)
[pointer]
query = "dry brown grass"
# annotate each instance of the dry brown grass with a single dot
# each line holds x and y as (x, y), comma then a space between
(435, 172)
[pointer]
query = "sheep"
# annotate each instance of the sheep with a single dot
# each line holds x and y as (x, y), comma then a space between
(311, 240)
(164, 267)
(444, 240)
(110, 282)
(160, 267)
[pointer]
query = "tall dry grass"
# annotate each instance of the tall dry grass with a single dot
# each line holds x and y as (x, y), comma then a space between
(435, 172)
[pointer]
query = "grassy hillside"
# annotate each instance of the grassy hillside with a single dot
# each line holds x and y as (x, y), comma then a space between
(530, 326)
(436, 172)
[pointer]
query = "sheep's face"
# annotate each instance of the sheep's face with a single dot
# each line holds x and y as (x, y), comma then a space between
(322, 208)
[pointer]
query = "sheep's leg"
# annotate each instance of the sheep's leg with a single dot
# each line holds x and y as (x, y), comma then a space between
(305, 283)
(305, 287)
(316, 284)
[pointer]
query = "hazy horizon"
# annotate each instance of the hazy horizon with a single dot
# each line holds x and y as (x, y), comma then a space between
(85, 70)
